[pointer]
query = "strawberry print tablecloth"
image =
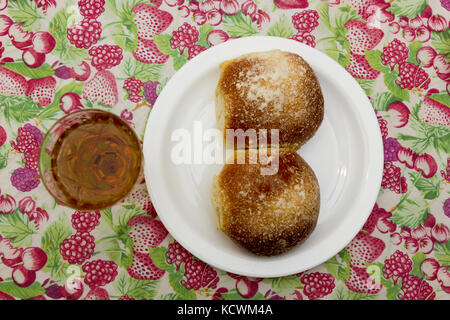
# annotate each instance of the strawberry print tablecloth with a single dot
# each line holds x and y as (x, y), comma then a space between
(59, 56)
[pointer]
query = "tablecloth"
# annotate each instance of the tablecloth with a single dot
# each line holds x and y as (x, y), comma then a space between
(117, 55)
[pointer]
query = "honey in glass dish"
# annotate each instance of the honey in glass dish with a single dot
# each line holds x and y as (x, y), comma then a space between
(90, 160)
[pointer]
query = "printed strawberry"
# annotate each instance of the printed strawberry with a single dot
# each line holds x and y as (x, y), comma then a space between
(102, 87)
(415, 288)
(97, 293)
(360, 281)
(146, 232)
(434, 113)
(150, 20)
(360, 68)
(141, 198)
(148, 52)
(361, 37)
(42, 91)
(363, 5)
(12, 83)
(143, 268)
(364, 248)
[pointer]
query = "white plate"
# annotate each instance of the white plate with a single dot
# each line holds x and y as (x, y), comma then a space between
(346, 154)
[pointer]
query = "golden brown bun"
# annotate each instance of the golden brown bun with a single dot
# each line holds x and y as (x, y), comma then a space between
(267, 214)
(270, 90)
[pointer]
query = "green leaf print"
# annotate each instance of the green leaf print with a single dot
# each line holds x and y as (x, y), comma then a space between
(141, 71)
(203, 34)
(4, 153)
(9, 287)
(26, 12)
(413, 48)
(282, 28)
(239, 25)
(37, 73)
(443, 98)
(51, 239)
(417, 260)
(135, 288)
(411, 213)
(284, 286)
(61, 21)
(19, 109)
(158, 256)
(374, 58)
(442, 253)
(339, 265)
(382, 100)
(408, 8)
(162, 41)
(17, 226)
(426, 137)
(441, 41)
(430, 188)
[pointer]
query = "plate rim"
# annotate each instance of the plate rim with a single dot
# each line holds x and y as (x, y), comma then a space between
(374, 169)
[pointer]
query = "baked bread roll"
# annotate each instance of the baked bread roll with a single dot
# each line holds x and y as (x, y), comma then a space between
(267, 214)
(270, 90)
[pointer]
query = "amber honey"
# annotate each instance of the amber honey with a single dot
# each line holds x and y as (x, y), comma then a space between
(95, 162)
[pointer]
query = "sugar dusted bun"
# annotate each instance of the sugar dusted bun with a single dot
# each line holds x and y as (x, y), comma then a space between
(270, 90)
(267, 214)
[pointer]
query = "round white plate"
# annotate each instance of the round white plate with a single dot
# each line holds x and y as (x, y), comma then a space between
(346, 154)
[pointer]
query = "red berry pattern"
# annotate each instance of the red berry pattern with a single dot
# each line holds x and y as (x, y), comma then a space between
(306, 20)
(91, 9)
(306, 38)
(85, 221)
(184, 37)
(395, 53)
(177, 254)
(392, 178)
(195, 50)
(383, 126)
(105, 56)
(397, 253)
(99, 273)
(199, 275)
(77, 248)
(415, 288)
(85, 33)
(411, 76)
(134, 88)
(317, 285)
(397, 266)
